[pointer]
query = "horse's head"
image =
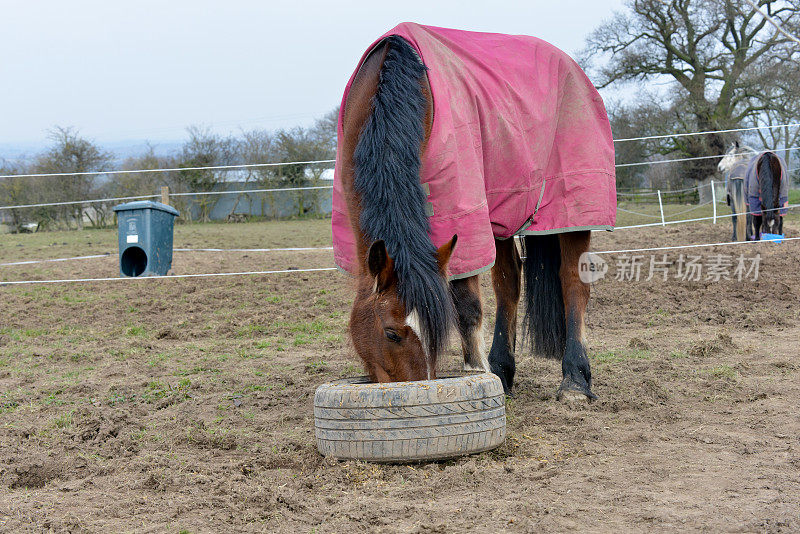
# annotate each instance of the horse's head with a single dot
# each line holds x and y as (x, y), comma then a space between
(770, 174)
(734, 155)
(390, 339)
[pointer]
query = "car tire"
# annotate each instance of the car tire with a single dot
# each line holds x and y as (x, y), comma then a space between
(410, 421)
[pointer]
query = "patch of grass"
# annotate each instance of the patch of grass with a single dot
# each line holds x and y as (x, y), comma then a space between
(157, 390)
(79, 357)
(246, 355)
(8, 406)
(65, 330)
(658, 314)
(53, 399)
(305, 332)
(196, 370)
(158, 359)
(34, 332)
(721, 371)
(351, 369)
(21, 334)
(65, 420)
(279, 344)
(301, 339)
(252, 330)
(118, 355)
(313, 327)
(617, 356)
(115, 398)
(137, 331)
(678, 355)
(319, 366)
(71, 375)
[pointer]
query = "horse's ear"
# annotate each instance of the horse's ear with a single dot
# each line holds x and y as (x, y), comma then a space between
(381, 266)
(444, 252)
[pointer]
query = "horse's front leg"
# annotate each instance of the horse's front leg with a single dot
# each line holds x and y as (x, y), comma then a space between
(469, 309)
(577, 375)
(506, 280)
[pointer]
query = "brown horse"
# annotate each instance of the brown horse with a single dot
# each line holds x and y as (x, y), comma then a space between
(404, 306)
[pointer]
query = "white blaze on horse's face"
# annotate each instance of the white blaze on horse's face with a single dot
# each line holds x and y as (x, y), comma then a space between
(731, 158)
(413, 322)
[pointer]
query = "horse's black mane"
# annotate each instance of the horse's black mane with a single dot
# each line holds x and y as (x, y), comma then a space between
(387, 165)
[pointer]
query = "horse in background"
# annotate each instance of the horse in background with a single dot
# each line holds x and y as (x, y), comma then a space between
(767, 185)
(734, 167)
(413, 171)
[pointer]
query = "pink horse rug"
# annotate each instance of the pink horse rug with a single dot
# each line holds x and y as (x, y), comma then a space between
(520, 144)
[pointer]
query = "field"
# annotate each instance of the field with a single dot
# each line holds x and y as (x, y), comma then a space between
(186, 405)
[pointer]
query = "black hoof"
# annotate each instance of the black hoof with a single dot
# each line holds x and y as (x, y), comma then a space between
(572, 390)
(503, 375)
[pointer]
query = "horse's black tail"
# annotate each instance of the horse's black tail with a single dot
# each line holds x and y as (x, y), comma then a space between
(544, 324)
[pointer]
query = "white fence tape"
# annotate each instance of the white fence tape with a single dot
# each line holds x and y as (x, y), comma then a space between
(167, 277)
(31, 262)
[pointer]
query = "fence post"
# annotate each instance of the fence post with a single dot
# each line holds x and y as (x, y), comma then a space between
(714, 201)
(165, 194)
(661, 208)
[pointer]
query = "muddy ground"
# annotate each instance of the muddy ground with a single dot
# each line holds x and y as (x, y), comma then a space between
(186, 405)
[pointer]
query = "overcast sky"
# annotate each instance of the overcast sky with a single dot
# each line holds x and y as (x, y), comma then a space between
(147, 69)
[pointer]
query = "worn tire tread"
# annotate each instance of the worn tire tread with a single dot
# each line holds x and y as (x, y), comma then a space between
(409, 421)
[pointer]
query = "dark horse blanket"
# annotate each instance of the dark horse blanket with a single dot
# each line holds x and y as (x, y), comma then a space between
(520, 144)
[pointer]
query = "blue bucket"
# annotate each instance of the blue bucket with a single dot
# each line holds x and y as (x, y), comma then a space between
(778, 238)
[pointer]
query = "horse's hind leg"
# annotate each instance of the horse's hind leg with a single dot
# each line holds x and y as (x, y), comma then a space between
(506, 280)
(577, 376)
(467, 298)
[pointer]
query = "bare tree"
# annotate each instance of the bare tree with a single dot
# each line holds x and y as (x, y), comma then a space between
(300, 144)
(15, 191)
(205, 149)
(259, 146)
(720, 58)
(140, 183)
(69, 153)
